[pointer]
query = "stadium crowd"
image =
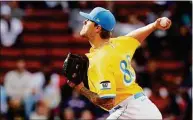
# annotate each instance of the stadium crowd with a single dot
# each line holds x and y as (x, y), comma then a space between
(163, 63)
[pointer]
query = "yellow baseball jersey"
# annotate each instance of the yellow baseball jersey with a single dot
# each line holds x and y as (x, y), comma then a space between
(110, 74)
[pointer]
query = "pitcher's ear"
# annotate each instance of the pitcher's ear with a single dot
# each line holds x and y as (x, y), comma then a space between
(98, 28)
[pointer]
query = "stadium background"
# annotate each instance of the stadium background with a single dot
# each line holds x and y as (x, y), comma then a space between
(49, 30)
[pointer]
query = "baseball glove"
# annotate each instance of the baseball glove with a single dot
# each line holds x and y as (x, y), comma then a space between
(75, 68)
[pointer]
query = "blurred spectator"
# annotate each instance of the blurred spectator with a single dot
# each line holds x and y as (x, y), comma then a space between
(147, 92)
(19, 86)
(132, 24)
(165, 102)
(39, 79)
(65, 6)
(59, 80)
(51, 94)
(18, 82)
(37, 83)
(147, 77)
(53, 4)
(68, 114)
(10, 27)
(160, 33)
(46, 87)
(151, 17)
(86, 115)
(16, 12)
(75, 20)
(16, 110)
(3, 99)
(76, 102)
(58, 5)
(41, 111)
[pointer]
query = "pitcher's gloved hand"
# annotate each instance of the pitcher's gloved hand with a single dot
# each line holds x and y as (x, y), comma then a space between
(75, 68)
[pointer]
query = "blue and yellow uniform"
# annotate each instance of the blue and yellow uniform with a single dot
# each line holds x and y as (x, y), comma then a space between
(110, 74)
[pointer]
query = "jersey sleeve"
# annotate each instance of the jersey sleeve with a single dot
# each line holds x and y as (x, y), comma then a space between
(106, 85)
(126, 44)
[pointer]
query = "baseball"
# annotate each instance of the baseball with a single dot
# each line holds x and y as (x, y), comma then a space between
(163, 22)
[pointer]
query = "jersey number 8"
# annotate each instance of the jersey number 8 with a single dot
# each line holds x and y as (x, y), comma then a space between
(128, 75)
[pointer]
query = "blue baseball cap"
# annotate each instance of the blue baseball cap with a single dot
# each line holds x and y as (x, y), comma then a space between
(102, 17)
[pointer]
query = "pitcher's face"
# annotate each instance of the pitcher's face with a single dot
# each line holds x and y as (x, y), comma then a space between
(88, 29)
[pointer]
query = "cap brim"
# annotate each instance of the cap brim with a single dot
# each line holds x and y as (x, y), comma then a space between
(85, 15)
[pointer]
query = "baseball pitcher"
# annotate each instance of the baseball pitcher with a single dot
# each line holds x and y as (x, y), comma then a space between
(104, 75)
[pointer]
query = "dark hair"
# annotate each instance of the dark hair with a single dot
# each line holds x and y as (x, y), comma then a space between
(104, 33)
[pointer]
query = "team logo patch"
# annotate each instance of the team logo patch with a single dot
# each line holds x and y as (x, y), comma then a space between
(105, 85)
(97, 20)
